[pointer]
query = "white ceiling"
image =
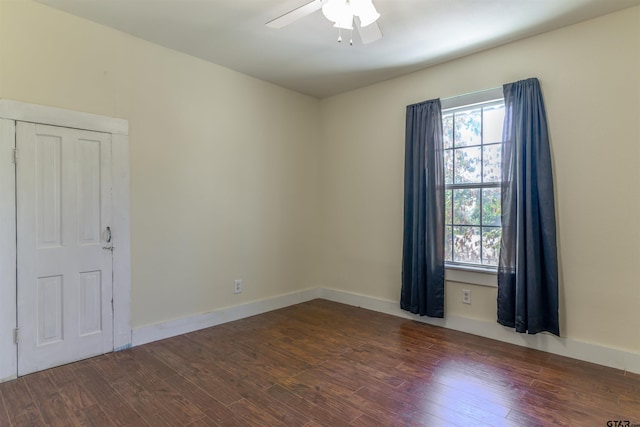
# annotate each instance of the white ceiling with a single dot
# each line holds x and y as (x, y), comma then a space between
(305, 55)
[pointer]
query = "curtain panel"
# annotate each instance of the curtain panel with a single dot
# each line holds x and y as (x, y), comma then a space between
(423, 242)
(528, 266)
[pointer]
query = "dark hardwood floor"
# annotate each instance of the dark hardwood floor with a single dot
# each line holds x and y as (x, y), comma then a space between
(324, 364)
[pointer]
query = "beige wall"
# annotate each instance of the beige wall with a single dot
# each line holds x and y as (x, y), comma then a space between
(224, 178)
(236, 178)
(590, 76)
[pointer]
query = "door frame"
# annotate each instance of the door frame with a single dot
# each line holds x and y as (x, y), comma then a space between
(11, 112)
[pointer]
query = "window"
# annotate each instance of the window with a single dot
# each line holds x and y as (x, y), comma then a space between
(472, 161)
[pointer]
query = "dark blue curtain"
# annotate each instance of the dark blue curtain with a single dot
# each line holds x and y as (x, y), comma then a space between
(423, 246)
(528, 266)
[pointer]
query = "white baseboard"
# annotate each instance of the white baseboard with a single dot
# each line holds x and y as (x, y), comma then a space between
(589, 352)
(171, 328)
(9, 378)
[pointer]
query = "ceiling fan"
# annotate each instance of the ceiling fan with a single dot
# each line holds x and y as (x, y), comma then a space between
(343, 14)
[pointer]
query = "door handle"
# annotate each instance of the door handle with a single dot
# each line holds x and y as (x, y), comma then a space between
(107, 238)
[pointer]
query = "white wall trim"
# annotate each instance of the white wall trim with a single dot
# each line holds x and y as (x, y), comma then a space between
(10, 112)
(171, 328)
(34, 113)
(475, 277)
(120, 218)
(8, 350)
(615, 358)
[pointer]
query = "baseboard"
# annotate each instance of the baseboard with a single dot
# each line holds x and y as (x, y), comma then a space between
(589, 352)
(123, 347)
(171, 328)
(9, 378)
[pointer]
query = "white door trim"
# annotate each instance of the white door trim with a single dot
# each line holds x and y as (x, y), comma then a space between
(8, 350)
(10, 112)
(34, 113)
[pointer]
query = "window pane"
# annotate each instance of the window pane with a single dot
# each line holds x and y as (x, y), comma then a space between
(492, 125)
(467, 169)
(448, 249)
(492, 158)
(466, 244)
(473, 162)
(491, 206)
(448, 194)
(468, 125)
(447, 129)
(448, 166)
(491, 245)
(466, 206)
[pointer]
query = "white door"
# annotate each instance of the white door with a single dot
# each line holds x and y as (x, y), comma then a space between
(63, 181)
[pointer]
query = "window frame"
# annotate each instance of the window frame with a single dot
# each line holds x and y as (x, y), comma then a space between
(484, 275)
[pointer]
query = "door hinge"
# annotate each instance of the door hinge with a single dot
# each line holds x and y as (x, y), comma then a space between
(15, 156)
(16, 335)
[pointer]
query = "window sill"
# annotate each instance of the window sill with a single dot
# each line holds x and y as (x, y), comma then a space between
(475, 276)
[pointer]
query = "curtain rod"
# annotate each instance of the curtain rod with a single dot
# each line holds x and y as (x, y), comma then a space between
(469, 98)
(472, 98)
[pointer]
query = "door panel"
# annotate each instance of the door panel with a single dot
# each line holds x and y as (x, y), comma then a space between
(89, 196)
(90, 302)
(49, 193)
(49, 295)
(64, 272)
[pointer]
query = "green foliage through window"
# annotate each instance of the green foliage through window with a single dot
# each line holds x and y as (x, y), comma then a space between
(472, 159)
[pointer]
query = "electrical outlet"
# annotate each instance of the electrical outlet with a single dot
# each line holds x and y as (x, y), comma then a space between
(466, 296)
(237, 286)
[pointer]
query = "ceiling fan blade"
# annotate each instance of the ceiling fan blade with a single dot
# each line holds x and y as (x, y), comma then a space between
(295, 14)
(370, 33)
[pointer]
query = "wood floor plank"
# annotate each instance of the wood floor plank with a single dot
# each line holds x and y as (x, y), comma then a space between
(322, 395)
(554, 412)
(21, 408)
(254, 415)
(76, 395)
(203, 422)
(172, 401)
(197, 370)
(217, 411)
(4, 415)
(252, 370)
(443, 405)
(522, 419)
(440, 393)
(151, 364)
(93, 416)
(63, 375)
(145, 403)
(588, 403)
(52, 406)
(321, 363)
(315, 412)
(144, 391)
(287, 415)
(630, 407)
(116, 408)
(606, 386)
(392, 378)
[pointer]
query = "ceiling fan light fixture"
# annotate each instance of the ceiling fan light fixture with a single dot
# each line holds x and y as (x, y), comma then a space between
(345, 22)
(341, 12)
(366, 11)
(336, 10)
